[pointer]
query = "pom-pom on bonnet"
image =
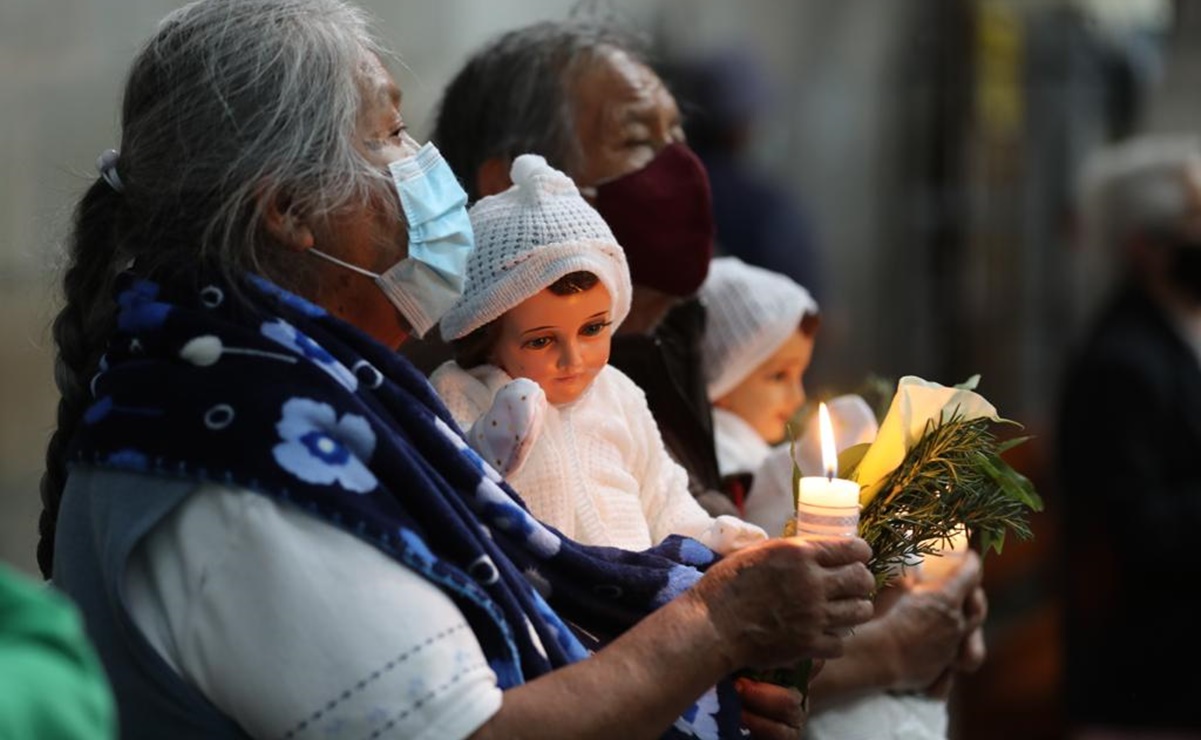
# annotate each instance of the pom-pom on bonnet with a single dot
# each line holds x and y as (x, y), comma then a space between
(749, 313)
(526, 238)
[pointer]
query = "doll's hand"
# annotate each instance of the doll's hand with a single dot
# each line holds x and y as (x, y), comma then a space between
(506, 433)
(729, 533)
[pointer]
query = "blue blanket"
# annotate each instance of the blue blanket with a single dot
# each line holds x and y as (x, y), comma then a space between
(251, 386)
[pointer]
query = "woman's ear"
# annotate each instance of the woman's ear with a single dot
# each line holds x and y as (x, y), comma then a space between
(283, 224)
(493, 176)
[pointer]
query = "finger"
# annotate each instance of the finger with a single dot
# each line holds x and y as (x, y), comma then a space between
(851, 581)
(829, 644)
(965, 578)
(976, 608)
(783, 703)
(815, 668)
(941, 688)
(834, 551)
(972, 653)
(762, 728)
(771, 711)
(845, 613)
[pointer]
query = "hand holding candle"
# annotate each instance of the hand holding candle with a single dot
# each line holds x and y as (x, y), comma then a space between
(827, 505)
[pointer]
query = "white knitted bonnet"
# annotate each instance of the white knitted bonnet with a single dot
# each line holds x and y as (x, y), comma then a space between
(749, 313)
(526, 238)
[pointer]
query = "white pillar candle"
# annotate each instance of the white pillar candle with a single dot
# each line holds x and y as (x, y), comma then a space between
(818, 490)
(827, 505)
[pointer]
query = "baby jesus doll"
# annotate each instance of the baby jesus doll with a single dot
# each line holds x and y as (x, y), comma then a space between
(546, 286)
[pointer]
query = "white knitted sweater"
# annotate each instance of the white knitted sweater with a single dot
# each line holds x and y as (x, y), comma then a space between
(599, 472)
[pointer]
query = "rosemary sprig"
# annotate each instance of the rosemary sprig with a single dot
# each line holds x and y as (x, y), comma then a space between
(953, 476)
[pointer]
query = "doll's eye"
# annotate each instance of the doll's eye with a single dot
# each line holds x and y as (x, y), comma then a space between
(537, 343)
(595, 328)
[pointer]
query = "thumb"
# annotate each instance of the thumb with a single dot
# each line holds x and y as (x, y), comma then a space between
(965, 578)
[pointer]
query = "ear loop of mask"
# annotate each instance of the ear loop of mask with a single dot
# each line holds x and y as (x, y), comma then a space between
(347, 265)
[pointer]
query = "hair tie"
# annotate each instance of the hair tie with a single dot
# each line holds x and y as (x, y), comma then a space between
(106, 165)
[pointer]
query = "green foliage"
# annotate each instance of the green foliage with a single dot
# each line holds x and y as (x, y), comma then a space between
(953, 476)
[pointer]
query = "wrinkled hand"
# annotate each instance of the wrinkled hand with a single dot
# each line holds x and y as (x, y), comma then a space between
(505, 433)
(934, 628)
(972, 650)
(787, 599)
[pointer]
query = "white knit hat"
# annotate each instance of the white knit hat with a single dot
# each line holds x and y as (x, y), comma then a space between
(526, 238)
(749, 313)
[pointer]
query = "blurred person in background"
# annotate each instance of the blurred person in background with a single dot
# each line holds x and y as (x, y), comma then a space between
(724, 95)
(1129, 451)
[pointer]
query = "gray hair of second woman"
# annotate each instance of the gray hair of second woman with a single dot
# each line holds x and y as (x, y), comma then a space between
(232, 105)
(514, 96)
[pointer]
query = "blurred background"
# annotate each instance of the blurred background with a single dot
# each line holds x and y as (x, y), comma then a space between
(923, 154)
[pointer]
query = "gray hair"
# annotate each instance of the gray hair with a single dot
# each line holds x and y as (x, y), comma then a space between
(514, 96)
(232, 104)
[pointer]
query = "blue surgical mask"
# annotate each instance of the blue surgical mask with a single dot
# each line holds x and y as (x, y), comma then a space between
(424, 285)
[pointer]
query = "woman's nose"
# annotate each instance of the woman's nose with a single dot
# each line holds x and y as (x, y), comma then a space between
(410, 145)
(666, 136)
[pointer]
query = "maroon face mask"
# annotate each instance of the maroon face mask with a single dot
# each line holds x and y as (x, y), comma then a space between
(662, 216)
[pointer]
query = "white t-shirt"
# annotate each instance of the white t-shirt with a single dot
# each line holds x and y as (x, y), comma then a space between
(295, 628)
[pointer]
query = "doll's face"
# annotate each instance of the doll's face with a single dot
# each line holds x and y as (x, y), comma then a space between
(769, 397)
(560, 342)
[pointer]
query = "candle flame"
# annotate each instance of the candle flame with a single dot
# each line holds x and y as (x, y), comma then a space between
(829, 454)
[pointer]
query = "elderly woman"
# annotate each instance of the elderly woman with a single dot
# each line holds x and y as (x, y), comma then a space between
(582, 96)
(269, 521)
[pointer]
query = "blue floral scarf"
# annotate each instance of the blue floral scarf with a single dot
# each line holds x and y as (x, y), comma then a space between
(269, 392)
